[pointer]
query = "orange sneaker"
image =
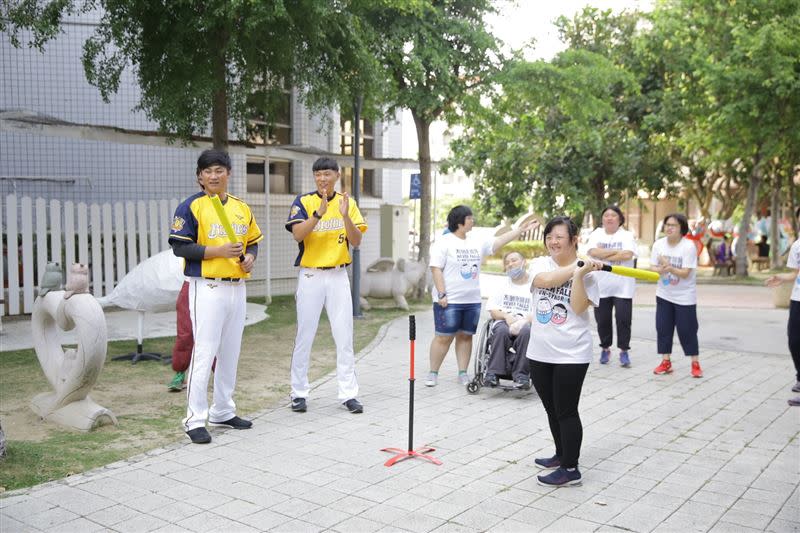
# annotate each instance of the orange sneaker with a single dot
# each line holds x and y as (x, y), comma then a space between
(664, 368)
(696, 371)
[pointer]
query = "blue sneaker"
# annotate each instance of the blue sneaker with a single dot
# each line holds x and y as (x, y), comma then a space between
(605, 355)
(548, 463)
(563, 477)
(624, 359)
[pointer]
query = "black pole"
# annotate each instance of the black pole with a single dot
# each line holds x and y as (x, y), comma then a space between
(357, 196)
(412, 335)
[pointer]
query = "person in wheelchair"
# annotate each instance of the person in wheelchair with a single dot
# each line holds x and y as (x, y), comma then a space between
(510, 308)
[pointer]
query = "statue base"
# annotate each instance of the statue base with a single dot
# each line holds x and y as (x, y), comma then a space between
(83, 415)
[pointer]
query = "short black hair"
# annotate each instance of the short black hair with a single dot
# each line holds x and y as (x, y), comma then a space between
(572, 228)
(325, 163)
(617, 210)
(681, 218)
(212, 157)
(458, 215)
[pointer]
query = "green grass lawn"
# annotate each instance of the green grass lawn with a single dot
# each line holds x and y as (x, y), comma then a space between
(149, 416)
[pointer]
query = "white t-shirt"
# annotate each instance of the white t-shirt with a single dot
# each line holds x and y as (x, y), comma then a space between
(460, 261)
(514, 299)
(559, 334)
(612, 284)
(681, 291)
(794, 262)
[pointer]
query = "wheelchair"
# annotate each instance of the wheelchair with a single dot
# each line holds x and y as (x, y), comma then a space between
(480, 361)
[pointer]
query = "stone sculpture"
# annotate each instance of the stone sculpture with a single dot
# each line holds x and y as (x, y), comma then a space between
(71, 373)
(385, 279)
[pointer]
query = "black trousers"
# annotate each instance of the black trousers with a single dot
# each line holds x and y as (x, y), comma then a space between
(669, 317)
(623, 310)
(559, 388)
(503, 361)
(794, 334)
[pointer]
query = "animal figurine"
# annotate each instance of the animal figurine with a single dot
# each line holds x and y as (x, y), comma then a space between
(77, 280)
(386, 279)
(51, 279)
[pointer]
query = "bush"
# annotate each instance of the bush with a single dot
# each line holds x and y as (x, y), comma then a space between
(529, 249)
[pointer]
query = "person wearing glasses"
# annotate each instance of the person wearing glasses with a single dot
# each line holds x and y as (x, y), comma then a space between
(675, 259)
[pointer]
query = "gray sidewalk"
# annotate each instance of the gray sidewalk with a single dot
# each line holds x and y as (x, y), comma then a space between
(660, 453)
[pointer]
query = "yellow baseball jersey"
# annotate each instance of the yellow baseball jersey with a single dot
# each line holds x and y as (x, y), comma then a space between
(327, 245)
(196, 221)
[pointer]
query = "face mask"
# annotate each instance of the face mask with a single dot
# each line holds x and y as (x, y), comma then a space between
(514, 273)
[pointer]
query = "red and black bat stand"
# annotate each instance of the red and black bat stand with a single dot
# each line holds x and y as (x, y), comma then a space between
(411, 452)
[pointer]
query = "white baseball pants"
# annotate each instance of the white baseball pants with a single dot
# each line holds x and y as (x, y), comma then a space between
(329, 288)
(218, 310)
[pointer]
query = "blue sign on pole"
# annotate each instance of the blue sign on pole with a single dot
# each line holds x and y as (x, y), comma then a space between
(416, 187)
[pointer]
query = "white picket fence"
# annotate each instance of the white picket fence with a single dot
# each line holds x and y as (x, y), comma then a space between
(110, 238)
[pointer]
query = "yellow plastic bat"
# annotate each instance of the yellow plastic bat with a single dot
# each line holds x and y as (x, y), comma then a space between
(223, 218)
(638, 273)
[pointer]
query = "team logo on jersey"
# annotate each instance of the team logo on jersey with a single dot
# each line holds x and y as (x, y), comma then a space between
(333, 224)
(293, 212)
(240, 217)
(217, 231)
(177, 223)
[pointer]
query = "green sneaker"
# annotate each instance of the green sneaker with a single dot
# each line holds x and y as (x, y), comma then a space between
(177, 384)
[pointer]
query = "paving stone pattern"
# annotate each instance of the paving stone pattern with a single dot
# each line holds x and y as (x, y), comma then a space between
(660, 453)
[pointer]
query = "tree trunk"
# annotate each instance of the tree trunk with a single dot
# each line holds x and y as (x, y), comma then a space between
(744, 226)
(793, 204)
(2, 443)
(219, 110)
(599, 190)
(774, 235)
(423, 139)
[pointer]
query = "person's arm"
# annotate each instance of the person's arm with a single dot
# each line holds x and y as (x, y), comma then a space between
(682, 273)
(301, 230)
(514, 234)
(578, 298)
(438, 282)
(620, 255)
(603, 254)
(197, 252)
(499, 314)
(778, 279)
(354, 235)
(250, 255)
(554, 278)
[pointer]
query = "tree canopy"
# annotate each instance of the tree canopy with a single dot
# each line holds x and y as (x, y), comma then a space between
(434, 57)
(205, 62)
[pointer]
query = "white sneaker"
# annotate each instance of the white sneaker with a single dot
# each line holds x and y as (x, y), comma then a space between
(433, 379)
(463, 378)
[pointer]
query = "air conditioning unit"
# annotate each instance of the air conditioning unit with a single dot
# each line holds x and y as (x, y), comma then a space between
(394, 231)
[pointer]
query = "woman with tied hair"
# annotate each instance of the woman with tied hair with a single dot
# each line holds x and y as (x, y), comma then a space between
(793, 326)
(562, 344)
(455, 267)
(614, 245)
(675, 259)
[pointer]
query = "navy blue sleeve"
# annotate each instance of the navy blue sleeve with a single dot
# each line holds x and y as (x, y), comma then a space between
(184, 224)
(297, 213)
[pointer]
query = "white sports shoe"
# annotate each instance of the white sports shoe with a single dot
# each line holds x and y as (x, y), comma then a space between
(463, 379)
(433, 379)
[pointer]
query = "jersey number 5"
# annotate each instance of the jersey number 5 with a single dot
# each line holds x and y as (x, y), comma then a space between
(341, 238)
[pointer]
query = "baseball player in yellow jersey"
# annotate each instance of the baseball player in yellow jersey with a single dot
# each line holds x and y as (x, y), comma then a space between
(325, 224)
(217, 297)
